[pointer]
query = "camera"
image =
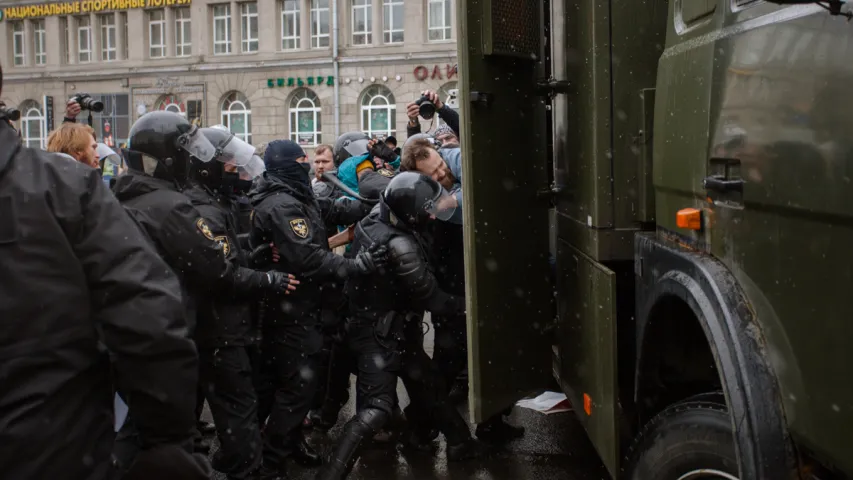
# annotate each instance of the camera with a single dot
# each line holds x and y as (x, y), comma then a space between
(9, 113)
(426, 108)
(86, 102)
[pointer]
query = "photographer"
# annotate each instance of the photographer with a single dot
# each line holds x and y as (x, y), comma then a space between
(426, 107)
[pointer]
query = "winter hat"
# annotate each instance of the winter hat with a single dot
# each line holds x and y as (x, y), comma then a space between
(443, 130)
(281, 153)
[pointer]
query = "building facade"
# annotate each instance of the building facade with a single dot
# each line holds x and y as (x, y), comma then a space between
(307, 70)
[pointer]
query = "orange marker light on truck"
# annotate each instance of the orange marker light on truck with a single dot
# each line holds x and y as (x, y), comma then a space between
(587, 404)
(689, 218)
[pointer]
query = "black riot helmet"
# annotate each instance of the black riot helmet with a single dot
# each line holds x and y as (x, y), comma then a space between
(160, 145)
(352, 144)
(413, 199)
(234, 166)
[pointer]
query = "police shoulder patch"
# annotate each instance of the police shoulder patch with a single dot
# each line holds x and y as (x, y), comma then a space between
(385, 172)
(223, 242)
(299, 227)
(201, 224)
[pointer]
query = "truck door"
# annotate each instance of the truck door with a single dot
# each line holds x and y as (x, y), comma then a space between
(504, 144)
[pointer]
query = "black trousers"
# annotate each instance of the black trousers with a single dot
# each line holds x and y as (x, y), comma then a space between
(381, 361)
(228, 381)
(289, 378)
(451, 346)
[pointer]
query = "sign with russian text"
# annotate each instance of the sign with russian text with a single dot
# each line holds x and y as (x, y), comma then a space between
(77, 7)
(299, 82)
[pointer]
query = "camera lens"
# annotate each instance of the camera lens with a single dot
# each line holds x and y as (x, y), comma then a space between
(426, 109)
(12, 114)
(95, 106)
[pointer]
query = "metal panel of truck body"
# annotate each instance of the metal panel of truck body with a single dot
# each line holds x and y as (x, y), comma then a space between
(510, 300)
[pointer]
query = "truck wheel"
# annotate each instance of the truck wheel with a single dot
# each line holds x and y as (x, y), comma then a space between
(692, 440)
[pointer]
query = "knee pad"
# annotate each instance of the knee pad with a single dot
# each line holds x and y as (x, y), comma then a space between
(371, 421)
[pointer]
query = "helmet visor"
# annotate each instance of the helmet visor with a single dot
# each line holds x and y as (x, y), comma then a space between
(196, 144)
(357, 148)
(443, 207)
(234, 151)
(251, 170)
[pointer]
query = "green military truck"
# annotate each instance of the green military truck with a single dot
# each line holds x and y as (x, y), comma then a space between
(688, 164)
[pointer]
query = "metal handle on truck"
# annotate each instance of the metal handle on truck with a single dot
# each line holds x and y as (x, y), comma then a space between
(721, 184)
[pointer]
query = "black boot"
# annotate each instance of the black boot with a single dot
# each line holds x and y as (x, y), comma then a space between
(496, 431)
(364, 425)
(468, 450)
(306, 456)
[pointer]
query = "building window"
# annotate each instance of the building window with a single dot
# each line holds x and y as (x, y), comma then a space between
(237, 115)
(378, 112)
(38, 42)
(290, 24)
(157, 33)
(439, 19)
(18, 43)
(362, 22)
(319, 23)
(32, 122)
(108, 37)
(449, 95)
(124, 34)
(183, 33)
(305, 118)
(84, 39)
(170, 103)
(249, 26)
(393, 23)
(221, 29)
(112, 126)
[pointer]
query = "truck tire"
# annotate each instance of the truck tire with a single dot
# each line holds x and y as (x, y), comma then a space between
(692, 440)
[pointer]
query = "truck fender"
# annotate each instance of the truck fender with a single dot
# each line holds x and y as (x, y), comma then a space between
(664, 268)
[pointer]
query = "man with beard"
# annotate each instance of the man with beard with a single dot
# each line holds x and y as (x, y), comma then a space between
(451, 336)
(287, 213)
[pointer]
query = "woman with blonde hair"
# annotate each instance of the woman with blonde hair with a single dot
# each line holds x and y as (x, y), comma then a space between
(76, 140)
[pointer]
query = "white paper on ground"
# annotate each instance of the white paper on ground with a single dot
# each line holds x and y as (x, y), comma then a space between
(547, 403)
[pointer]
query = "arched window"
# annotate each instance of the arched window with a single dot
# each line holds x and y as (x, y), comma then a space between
(449, 95)
(378, 111)
(32, 122)
(171, 103)
(305, 118)
(237, 115)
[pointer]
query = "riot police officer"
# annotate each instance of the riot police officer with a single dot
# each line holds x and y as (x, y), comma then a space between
(83, 295)
(387, 341)
(227, 337)
(160, 147)
(287, 214)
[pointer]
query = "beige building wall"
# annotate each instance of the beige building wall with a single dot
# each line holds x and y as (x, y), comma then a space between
(209, 77)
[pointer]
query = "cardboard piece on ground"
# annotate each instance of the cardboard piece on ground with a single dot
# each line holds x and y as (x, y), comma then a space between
(547, 403)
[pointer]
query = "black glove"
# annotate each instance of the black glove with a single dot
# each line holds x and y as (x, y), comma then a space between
(278, 281)
(384, 152)
(374, 258)
(260, 257)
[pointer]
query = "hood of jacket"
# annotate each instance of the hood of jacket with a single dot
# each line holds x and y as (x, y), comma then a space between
(133, 184)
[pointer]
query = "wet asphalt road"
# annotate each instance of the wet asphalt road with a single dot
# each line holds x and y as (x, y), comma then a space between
(554, 448)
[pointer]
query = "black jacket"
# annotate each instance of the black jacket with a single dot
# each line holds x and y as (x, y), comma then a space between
(224, 318)
(295, 222)
(373, 182)
(81, 294)
(408, 284)
(450, 117)
(185, 240)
